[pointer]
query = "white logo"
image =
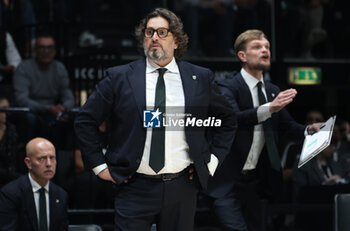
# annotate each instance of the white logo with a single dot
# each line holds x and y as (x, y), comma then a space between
(152, 118)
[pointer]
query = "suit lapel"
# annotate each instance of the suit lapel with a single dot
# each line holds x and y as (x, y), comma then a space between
(137, 80)
(245, 91)
(270, 95)
(189, 83)
(53, 201)
(30, 203)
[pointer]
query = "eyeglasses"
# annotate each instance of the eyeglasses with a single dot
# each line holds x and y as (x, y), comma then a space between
(42, 48)
(161, 32)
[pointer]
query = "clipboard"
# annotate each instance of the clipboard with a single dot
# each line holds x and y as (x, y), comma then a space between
(317, 142)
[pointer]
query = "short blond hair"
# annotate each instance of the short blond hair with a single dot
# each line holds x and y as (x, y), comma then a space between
(245, 37)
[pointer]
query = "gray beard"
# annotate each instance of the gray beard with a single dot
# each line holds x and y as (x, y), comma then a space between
(154, 55)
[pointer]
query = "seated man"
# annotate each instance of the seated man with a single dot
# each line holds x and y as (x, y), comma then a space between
(32, 202)
(322, 170)
(316, 183)
(42, 84)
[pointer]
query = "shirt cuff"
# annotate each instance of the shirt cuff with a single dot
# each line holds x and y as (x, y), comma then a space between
(213, 164)
(99, 168)
(263, 112)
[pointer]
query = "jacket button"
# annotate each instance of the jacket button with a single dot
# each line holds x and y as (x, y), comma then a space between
(138, 161)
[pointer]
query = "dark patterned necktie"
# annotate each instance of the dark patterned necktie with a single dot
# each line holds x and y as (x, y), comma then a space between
(42, 211)
(269, 136)
(156, 159)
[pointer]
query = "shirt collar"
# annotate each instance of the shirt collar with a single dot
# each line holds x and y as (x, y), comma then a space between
(250, 80)
(152, 67)
(36, 186)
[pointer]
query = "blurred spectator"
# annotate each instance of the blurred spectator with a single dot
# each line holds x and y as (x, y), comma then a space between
(42, 84)
(83, 11)
(313, 33)
(306, 28)
(316, 182)
(210, 22)
(219, 18)
(18, 18)
(345, 130)
(291, 155)
(342, 146)
(88, 19)
(9, 147)
(293, 149)
(9, 56)
(28, 20)
(6, 6)
(321, 170)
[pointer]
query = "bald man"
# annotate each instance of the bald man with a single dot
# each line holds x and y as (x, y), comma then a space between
(32, 202)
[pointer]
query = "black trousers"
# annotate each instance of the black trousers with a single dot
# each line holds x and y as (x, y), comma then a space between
(143, 201)
(241, 209)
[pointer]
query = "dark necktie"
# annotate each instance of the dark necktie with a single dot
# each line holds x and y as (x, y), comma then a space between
(42, 211)
(269, 136)
(156, 159)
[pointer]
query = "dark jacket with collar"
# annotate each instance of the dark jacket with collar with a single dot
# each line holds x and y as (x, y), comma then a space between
(312, 174)
(17, 207)
(239, 96)
(121, 96)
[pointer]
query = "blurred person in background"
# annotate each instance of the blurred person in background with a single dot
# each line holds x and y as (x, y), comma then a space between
(9, 147)
(42, 85)
(9, 56)
(321, 170)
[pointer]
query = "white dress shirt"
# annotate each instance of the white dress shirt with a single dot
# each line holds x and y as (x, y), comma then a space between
(176, 147)
(36, 187)
(12, 55)
(263, 113)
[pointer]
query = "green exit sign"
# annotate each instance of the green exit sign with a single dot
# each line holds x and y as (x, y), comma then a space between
(304, 75)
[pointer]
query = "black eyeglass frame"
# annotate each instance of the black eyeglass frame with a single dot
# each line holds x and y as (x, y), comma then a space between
(156, 30)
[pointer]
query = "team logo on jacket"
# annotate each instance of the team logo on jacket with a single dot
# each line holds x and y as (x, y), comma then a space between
(152, 118)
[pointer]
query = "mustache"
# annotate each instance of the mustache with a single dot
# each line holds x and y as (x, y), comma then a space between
(155, 42)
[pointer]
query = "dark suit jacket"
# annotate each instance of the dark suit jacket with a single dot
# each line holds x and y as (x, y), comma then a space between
(237, 92)
(311, 174)
(121, 96)
(17, 207)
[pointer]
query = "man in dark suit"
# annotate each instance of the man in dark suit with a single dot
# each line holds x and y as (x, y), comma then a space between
(252, 170)
(32, 202)
(157, 171)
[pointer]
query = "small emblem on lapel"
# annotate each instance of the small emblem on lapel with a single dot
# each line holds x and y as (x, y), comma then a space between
(194, 77)
(273, 95)
(57, 201)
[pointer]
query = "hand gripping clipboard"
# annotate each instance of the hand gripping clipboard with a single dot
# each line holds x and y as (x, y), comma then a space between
(317, 142)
